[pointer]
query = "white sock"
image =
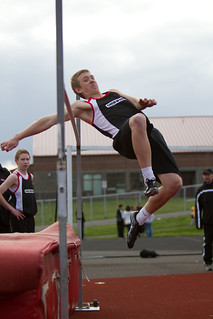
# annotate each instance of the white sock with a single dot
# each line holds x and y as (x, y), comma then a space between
(142, 216)
(147, 172)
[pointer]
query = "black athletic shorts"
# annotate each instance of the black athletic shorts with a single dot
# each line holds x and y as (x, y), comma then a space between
(26, 225)
(162, 159)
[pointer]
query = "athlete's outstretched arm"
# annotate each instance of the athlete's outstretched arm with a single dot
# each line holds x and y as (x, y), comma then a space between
(37, 127)
(79, 108)
(140, 104)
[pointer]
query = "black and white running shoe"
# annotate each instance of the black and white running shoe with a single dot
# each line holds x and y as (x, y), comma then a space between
(151, 187)
(134, 230)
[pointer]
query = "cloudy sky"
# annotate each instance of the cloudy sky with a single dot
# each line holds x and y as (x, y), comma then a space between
(145, 48)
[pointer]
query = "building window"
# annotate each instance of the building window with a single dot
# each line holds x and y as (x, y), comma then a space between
(136, 183)
(92, 184)
(116, 183)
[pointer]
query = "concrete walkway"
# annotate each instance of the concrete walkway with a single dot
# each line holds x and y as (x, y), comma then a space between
(105, 258)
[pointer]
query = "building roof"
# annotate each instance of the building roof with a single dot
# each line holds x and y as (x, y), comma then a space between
(182, 134)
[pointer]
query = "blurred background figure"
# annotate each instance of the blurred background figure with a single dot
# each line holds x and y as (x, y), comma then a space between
(148, 226)
(127, 222)
(120, 221)
(4, 213)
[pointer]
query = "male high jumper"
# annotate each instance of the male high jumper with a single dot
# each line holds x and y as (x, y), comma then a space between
(120, 117)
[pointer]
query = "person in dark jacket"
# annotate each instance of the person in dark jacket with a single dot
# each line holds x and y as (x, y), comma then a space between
(120, 221)
(4, 213)
(204, 215)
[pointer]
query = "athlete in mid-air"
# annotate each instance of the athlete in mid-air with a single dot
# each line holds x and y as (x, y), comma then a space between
(120, 117)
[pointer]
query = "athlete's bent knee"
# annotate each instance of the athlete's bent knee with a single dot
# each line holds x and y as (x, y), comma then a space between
(172, 183)
(137, 121)
(176, 185)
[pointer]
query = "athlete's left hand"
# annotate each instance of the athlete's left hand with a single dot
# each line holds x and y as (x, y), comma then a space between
(144, 103)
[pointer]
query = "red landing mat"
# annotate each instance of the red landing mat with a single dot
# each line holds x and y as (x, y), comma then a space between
(152, 297)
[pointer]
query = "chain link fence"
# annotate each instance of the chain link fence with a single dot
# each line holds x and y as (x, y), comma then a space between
(105, 206)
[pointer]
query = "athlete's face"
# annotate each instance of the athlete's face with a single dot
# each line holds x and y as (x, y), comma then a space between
(208, 178)
(88, 85)
(23, 162)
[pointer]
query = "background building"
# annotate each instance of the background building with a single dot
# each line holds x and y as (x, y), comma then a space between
(189, 138)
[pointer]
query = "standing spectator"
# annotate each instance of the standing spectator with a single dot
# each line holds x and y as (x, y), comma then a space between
(20, 183)
(82, 222)
(120, 221)
(204, 215)
(192, 215)
(127, 221)
(4, 213)
(148, 226)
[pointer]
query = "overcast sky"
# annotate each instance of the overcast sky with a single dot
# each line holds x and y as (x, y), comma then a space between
(145, 48)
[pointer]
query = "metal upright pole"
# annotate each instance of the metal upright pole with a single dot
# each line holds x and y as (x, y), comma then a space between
(79, 217)
(69, 186)
(79, 204)
(61, 168)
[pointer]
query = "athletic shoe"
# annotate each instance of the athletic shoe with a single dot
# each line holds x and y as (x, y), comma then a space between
(134, 230)
(151, 187)
(209, 267)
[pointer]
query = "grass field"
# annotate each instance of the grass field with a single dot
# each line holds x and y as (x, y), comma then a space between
(176, 226)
